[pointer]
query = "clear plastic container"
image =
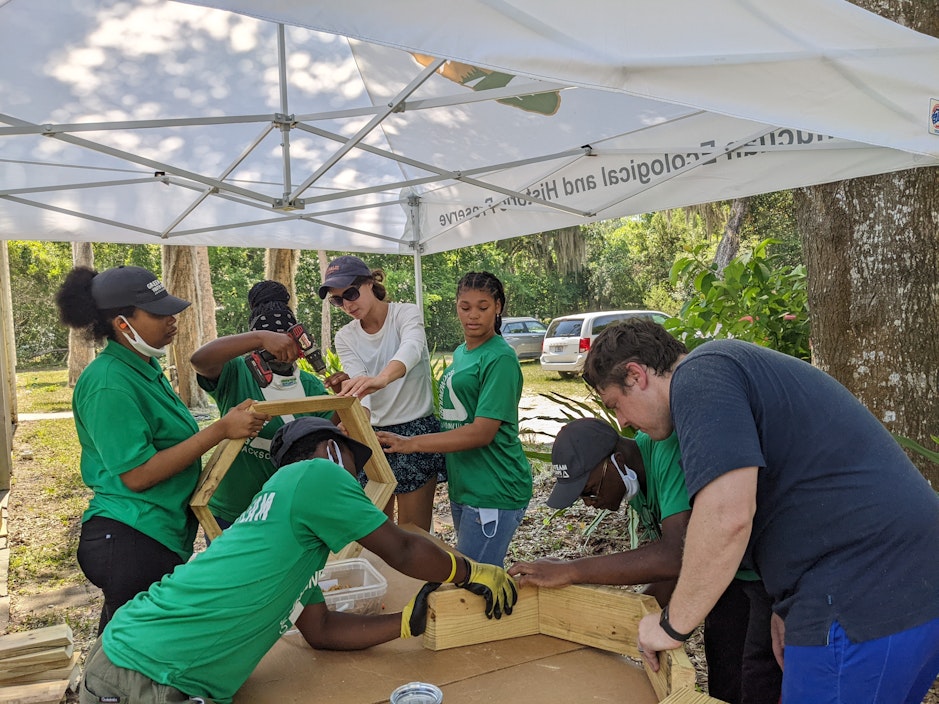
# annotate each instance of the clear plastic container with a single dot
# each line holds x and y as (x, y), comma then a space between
(417, 693)
(353, 586)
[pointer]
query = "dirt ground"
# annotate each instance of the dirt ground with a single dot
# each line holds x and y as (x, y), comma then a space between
(40, 514)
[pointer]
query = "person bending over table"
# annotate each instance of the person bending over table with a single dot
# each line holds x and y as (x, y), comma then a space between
(200, 631)
(792, 476)
(594, 463)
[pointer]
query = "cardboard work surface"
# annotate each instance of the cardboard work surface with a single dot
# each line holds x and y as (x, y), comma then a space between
(533, 669)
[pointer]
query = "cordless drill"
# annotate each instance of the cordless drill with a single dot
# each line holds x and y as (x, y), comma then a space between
(308, 348)
(259, 360)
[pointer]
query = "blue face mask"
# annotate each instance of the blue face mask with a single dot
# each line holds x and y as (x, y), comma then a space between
(628, 476)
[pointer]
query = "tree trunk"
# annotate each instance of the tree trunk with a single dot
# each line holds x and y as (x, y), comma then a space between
(281, 265)
(81, 350)
(326, 319)
(872, 251)
(181, 277)
(207, 302)
(730, 243)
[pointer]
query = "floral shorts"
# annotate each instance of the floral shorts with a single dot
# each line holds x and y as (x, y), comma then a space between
(414, 470)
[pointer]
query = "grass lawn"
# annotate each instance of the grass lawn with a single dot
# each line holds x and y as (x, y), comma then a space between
(43, 390)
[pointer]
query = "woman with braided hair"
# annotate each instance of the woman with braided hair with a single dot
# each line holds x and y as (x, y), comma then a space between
(224, 373)
(489, 476)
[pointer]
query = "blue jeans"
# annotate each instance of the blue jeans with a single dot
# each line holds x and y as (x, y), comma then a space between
(483, 534)
(895, 669)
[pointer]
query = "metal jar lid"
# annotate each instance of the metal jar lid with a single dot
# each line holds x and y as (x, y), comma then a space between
(417, 693)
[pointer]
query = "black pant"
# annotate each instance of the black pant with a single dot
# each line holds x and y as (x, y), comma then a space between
(121, 561)
(738, 645)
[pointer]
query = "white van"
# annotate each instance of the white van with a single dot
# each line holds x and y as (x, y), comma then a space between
(569, 338)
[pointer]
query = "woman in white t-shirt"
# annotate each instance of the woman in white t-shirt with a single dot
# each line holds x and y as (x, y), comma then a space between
(384, 352)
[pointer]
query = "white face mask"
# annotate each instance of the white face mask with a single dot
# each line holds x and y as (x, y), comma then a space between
(330, 445)
(138, 343)
(629, 478)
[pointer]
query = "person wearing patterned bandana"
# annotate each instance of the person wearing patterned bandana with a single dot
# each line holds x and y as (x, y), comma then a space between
(224, 374)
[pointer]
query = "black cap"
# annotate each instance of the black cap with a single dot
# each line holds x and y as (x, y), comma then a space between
(342, 273)
(134, 286)
(291, 432)
(578, 448)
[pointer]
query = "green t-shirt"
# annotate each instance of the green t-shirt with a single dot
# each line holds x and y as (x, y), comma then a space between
(125, 412)
(486, 382)
(205, 627)
(665, 493)
(253, 465)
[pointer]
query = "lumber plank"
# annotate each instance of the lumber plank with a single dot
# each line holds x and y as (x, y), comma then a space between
(215, 470)
(41, 672)
(676, 672)
(688, 695)
(51, 657)
(381, 480)
(23, 642)
(599, 616)
(455, 618)
(310, 404)
(35, 693)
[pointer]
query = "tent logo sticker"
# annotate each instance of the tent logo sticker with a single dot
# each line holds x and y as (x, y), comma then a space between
(934, 116)
(482, 79)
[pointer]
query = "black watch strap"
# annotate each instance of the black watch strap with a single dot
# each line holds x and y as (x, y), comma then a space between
(672, 633)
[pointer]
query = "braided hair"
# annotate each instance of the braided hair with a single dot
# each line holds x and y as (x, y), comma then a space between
(484, 281)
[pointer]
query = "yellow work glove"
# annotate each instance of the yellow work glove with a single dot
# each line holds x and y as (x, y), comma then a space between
(493, 584)
(414, 616)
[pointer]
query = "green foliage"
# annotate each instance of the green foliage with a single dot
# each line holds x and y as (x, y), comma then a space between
(753, 299)
(37, 269)
(621, 263)
(909, 444)
(234, 271)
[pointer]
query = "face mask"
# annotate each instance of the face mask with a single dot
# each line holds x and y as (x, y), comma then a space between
(330, 445)
(138, 343)
(629, 478)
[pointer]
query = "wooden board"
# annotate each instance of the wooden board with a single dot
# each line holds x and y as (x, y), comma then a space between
(36, 693)
(601, 617)
(40, 673)
(58, 656)
(381, 480)
(23, 642)
(455, 619)
(676, 673)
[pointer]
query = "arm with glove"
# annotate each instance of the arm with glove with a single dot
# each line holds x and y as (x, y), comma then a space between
(419, 557)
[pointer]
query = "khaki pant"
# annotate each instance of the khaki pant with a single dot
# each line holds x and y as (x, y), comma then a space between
(106, 683)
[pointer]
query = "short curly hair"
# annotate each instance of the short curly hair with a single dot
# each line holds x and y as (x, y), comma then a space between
(634, 340)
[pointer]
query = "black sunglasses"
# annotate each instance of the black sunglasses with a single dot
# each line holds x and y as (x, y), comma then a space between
(350, 294)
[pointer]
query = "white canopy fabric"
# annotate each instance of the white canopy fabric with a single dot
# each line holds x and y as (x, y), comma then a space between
(417, 127)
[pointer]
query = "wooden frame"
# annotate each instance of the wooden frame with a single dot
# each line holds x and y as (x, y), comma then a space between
(381, 480)
(597, 616)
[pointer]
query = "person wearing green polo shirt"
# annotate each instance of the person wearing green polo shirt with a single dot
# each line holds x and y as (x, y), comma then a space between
(587, 455)
(199, 633)
(223, 372)
(141, 447)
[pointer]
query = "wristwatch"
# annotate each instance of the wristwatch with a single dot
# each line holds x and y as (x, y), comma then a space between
(672, 633)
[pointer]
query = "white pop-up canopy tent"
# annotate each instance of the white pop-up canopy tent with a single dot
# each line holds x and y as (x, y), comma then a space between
(417, 127)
